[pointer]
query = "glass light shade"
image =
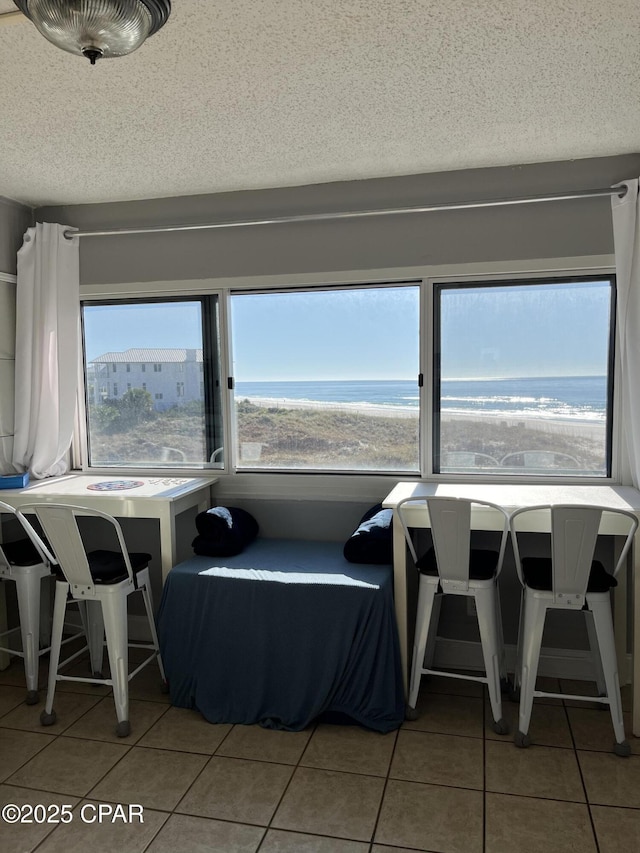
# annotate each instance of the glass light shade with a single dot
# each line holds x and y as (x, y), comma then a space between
(97, 28)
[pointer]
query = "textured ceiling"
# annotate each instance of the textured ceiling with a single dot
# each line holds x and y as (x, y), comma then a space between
(241, 94)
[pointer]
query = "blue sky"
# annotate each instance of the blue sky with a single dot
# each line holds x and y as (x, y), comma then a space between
(372, 333)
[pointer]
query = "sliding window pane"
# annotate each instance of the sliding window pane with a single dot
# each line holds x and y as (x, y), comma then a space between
(326, 380)
(524, 381)
(146, 398)
(524, 385)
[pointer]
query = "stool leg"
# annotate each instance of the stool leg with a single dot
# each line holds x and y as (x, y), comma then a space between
(603, 623)
(533, 626)
(517, 676)
(595, 653)
(46, 599)
(487, 610)
(426, 595)
(28, 592)
(48, 716)
(432, 637)
(95, 637)
(114, 611)
(148, 604)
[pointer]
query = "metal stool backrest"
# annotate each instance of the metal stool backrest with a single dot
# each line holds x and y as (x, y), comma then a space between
(60, 525)
(450, 523)
(574, 531)
(31, 533)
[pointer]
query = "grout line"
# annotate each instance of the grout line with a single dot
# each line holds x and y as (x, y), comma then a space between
(295, 766)
(384, 786)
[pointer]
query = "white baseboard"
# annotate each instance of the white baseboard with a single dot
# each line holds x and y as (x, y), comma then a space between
(554, 663)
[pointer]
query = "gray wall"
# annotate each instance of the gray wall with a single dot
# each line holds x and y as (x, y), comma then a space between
(14, 220)
(555, 229)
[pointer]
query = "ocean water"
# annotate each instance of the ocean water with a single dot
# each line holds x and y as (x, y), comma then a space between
(581, 398)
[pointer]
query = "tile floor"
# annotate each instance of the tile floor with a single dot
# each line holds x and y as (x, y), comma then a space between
(444, 783)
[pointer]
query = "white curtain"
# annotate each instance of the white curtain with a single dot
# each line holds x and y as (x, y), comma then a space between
(47, 349)
(626, 234)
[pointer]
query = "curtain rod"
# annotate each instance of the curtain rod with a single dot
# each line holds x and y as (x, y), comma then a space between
(356, 214)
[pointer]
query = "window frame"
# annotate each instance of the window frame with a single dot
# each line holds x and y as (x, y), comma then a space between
(357, 485)
(80, 449)
(613, 425)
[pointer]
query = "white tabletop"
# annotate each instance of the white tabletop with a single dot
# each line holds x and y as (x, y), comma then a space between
(514, 495)
(76, 486)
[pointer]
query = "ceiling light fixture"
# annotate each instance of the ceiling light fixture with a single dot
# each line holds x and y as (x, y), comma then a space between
(97, 28)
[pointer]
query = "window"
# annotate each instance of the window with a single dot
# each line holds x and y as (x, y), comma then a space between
(509, 378)
(128, 368)
(143, 428)
(327, 379)
(524, 384)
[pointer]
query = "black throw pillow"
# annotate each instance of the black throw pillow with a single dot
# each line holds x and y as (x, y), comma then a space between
(372, 541)
(224, 531)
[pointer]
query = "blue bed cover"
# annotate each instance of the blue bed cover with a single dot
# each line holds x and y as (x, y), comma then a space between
(284, 634)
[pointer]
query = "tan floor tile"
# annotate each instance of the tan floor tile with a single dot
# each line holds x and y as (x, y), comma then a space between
(13, 675)
(10, 697)
(156, 778)
(438, 759)
(100, 722)
(264, 744)
(349, 748)
(80, 668)
(328, 803)
(22, 837)
(451, 686)
(593, 729)
(186, 731)
(103, 837)
(147, 684)
(67, 706)
(617, 830)
(277, 841)
(448, 715)
(530, 825)
(238, 790)
(69, 766)
(540, 771)
(548, 727)
(17, 748)
(203, 835)
(548, 685)
(431, 817)
(611, 780)
(579, 688)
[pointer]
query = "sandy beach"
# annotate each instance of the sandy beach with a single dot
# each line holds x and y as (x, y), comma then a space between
(568, 427)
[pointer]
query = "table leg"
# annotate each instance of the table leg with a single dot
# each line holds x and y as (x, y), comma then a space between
(168, 548)
(400, 596)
